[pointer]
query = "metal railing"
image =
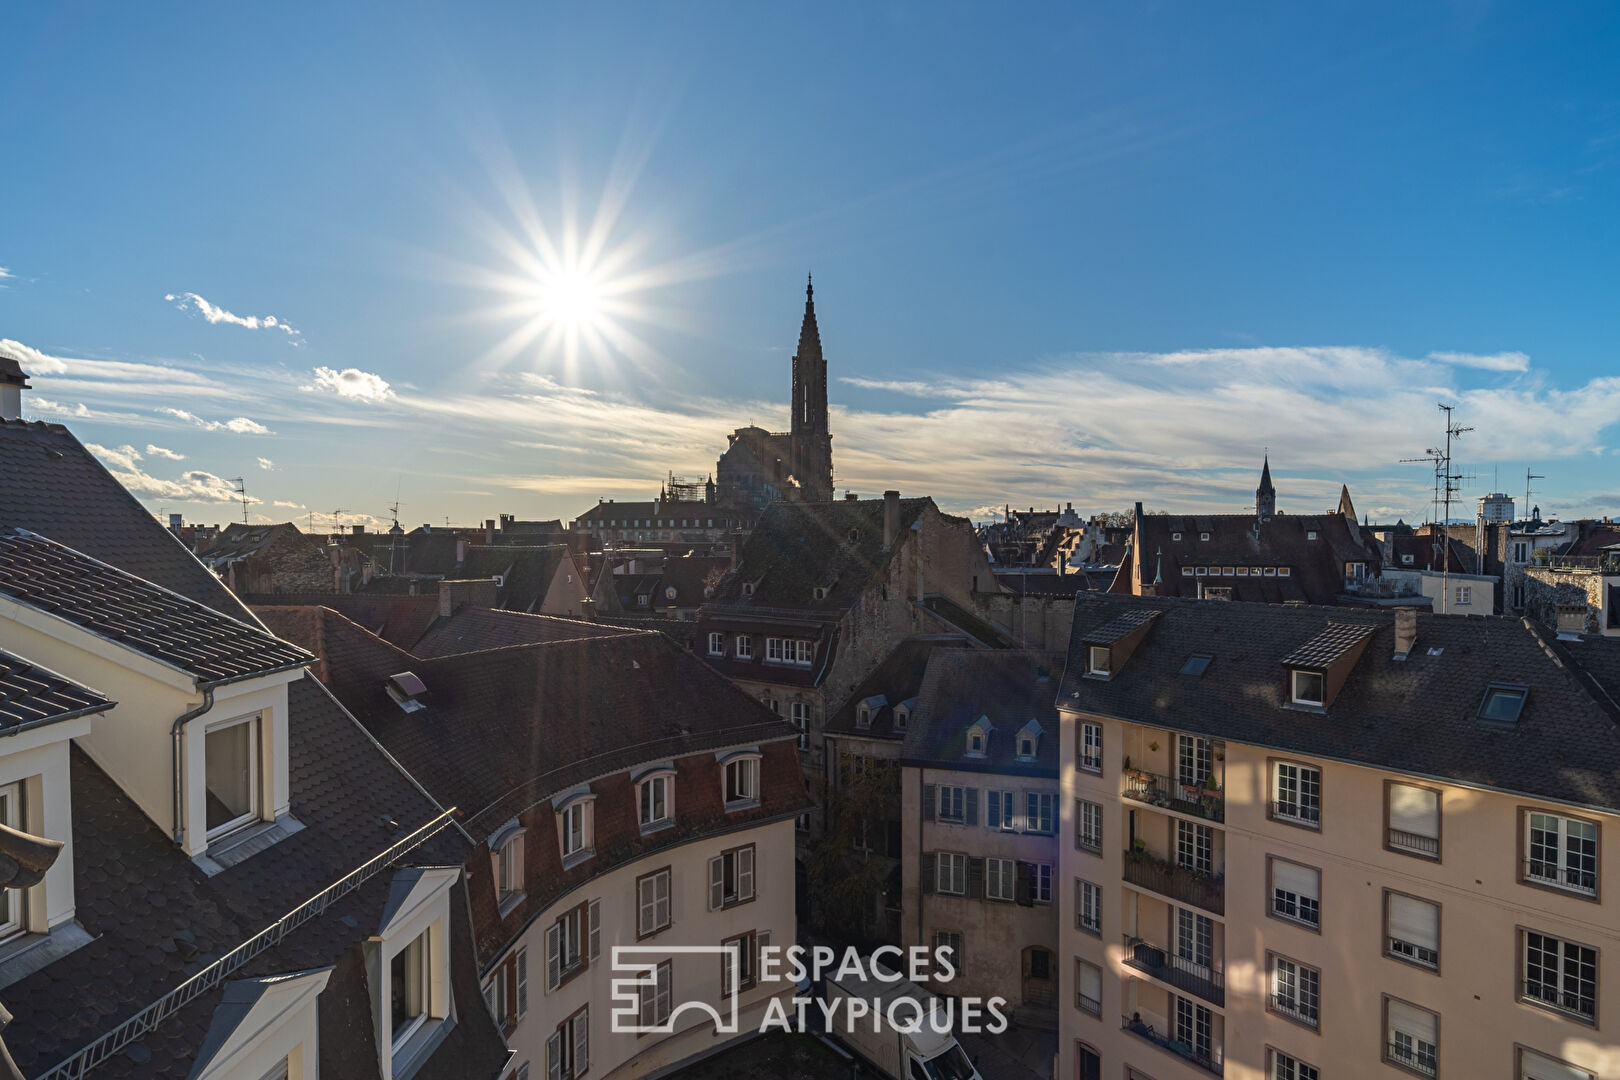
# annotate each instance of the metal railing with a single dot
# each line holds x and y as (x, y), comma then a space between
(1207, 891)
(1417, 842)
(1086, 1004)
(1298, 813)
(1547, 872)
(1548, 994)
(1414, 1059)
(1290, 1006)
(1208, 1059)
(1205, 980)
(211, 976)
(1199, 800)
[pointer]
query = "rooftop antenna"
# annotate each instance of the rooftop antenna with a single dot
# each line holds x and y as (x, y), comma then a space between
(1450, 488)
(337, 521)
(241, 493)
(1529, 476)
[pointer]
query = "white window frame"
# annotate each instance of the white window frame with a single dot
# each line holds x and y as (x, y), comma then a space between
(1297, 697)
(998, 811)
(654, 906)
(1087, 906)
(1564, 864)
(1195, 846)
(1410, 1049)
(423, 915)
(745, 647)
(1091, 747)
(799, 713)
(1304, 783)
(1296, 990)
(717, 643)
(1416, 945)
(742, 878)
(1288, 1067)
(509, 870)
(1088, 825)
(1295, 904)
(1412, 841)
(1563, 988)
(950, 873)
(576, 821)
(255, 777)
(1001, 879)
(1099, 660)
(1040, 812)
(1040, 882)
(740, 775)
(952, 807)
(648, 789)
(568, 1047)
(13, 902)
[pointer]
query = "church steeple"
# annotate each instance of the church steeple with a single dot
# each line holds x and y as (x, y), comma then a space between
(812, 440)
(1265, 496)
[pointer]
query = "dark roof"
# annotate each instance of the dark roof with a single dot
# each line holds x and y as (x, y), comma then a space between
(474, 629)
(395, 617)
(1331, 642)
(1049, 584)
(1424, 555)
(238, 541)
(897, 679)
(156, 919)
(693, 577)
(1417, 715)
(1121, 625)
(797, 547)
(163, 625)
(31, 695)
(1009, 688)
(55, 487)
(526, 572)
(1597, 663)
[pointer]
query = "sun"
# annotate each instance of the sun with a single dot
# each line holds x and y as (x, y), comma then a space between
(570, 299)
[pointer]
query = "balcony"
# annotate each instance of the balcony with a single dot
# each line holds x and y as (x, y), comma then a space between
(1207, 891)
(1209, 1059)
(1205, 980)
(1156, 790)
(1414, 843)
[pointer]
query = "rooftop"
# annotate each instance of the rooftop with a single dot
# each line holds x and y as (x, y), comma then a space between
(1007, 688)
(31, 695)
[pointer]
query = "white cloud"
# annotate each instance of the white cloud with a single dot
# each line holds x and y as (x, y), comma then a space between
(241, 425)
(193, 486)
(38, 406)
(266, 464)
(4, 274)
(1503, 361)
(215, 314)
(164, 452)
(350, 383)
(288, 505)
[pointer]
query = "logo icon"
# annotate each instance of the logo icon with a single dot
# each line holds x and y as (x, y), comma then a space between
(637, 1001)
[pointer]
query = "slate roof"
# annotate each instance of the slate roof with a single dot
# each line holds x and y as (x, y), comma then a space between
(526, 572)
(166, 626)
(31, 695)
(796, 547)
(1011, 688)
(474, 629)
(238, 541)
(898, 679)
(50, 484)
(156, 919)
(1416, 716)
(1028, 584)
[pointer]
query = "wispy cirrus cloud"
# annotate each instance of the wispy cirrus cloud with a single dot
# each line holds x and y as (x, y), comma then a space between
(350, 383)
(214, 314)
(192, 486)
(287, 505)
(5, 275)
(1502, 361)
(241, 425)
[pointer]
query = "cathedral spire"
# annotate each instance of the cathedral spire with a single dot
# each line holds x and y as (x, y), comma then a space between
(1265, 496)
(809, 332)
(812, 440)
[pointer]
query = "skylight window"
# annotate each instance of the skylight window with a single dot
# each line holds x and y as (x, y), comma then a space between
(1196, 664)
(1503, 704)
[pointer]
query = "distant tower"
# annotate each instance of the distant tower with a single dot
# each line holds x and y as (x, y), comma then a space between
(812, 440)
(1265, 496)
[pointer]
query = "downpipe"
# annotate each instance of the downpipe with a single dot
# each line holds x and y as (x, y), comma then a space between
(174, 737)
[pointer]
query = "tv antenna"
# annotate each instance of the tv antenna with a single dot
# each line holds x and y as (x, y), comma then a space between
(241, 493)
(1529, 476)
(1449, 488)
(337, 521)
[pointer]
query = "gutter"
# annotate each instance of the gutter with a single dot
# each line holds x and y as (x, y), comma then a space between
(174, 737)
(88, 710)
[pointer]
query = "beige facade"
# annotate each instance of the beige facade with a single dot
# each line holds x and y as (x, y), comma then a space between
(1231, 965)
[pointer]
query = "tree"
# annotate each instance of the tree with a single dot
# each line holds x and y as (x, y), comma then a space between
(850, 864)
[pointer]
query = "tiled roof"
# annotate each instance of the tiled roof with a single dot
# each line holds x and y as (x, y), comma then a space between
(238, 541)
(32, 695)
(1121, 625)
(55, 487)
(898, 678)
(1416, 715)
(1011, 688)
(1030, 584)
(474, 629)
(1330, 643)
(163, 625)
(526, 572)
(397, 618)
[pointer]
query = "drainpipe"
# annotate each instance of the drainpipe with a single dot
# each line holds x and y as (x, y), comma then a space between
(922, 816)
(174, 735)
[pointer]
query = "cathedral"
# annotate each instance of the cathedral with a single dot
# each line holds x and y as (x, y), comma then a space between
(760, 467)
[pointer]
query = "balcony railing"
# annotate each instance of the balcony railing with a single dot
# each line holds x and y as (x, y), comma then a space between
(1208, 1059)
(1207, 891)
(1205, 980)
(1199, 800)
(1583, 1005)
(1290, 1006)
(1415, 842)
(1417, 1059)
(1297, 813)
(1573, 878)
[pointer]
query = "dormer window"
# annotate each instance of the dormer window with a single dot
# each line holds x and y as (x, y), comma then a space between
(1175, 536)
(978, 737)
(1503, 703)
(231, 770)
(748, 588)
(655, 797)
(740, 781)
(1306, 687)
(1097, 660)
(869, 708)
(1203, 536)
(819, 592)
(413, 995)
(576, 828)
(1406, 560)
(902, 714)
(1029, 738)
(506, 848)
(1310, 534)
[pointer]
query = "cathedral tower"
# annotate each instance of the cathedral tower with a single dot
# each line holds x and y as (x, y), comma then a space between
(812, 439)
(1265, 496)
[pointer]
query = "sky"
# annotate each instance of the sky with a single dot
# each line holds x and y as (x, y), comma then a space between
(485, 258)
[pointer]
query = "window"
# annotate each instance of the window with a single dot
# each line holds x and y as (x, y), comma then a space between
(1203, 536)
(1196, 664)
(1414, 821)
(998, 810)
(952, 804)
(1099, 659)
(1192, 760)
(717, 643)
(566, 942)
(745, 647)
(1296, 892)
(1087, 987)
(652, 902)
(902, 716)
(1412, 1037)
(1175, 536)
(731, 878)
(1521, 551)
(1195, 940)
(1561, 852)
(568, 1051)
(1195, 847)
(1040, 813)
(1534, 1066)
(1041, 883)
(507, 991)
(509, 881)
(1193, 1027)
(1088, 826)
(1306, 687)
(656, 795)
(1465, 594)
(1287, 1067)
(1561, 974)
(1412, 929)
(1518, 596)
(409, 989)
(12, 920)
(742, 783)
(737, 966)
(950, 874)
(1296, 990)
(1296, 794)
(1087, 907)
(748, 588)
(951, 942)
(656, 999)
(231, 770)
(1000, 877)
(1503, 704)
(976, 740)
(1091, 747)
(799, 713)
(1026, 747)
(576, 832)
(819, 592)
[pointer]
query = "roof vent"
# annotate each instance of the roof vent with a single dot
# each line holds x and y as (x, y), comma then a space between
(407, 691)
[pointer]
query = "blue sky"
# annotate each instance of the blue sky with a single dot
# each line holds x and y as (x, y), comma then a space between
(1061, 254)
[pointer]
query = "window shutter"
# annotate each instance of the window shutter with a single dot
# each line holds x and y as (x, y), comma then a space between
(553, 956)
(926, 873)
(1296, 879)
(596, 928)
(761, 939)
(975, 879)
(1414, 921)
(646, 905)
(972, 806)
(992, 809)
(1418, 1023)
(930, 801)
(1537, 1067)
(745, 873)
(554, 1056)
(522, 983)
(1091, 982)
(582, 1040)
(1024, 890)
(1414, 810)
(717, 883)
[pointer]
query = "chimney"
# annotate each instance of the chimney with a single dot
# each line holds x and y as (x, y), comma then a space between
(489, 532)
(13, 381)
(357, 530)
(1405, 631)
(461, 551)
(891, 518)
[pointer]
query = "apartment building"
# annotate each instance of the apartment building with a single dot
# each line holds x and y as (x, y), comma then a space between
(1305, 843)
(979, 803)
(619, 794)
